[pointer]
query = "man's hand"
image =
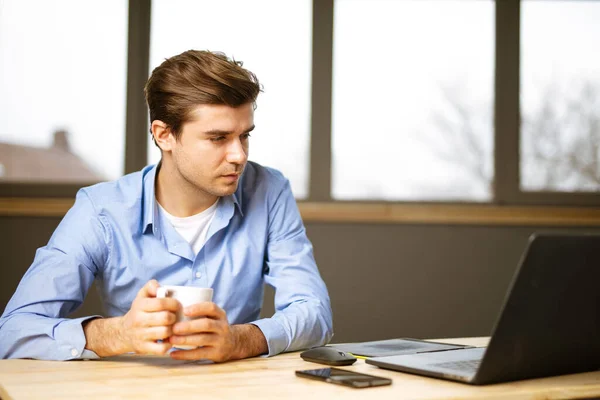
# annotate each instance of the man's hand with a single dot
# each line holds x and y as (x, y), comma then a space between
(216, 339)
(149, 319)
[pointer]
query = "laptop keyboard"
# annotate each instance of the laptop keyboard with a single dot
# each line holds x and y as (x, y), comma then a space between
(465, 365)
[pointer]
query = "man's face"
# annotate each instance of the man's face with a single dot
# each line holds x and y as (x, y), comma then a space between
(212, 150)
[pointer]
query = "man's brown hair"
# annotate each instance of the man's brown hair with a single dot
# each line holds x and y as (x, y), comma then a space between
(195, 77)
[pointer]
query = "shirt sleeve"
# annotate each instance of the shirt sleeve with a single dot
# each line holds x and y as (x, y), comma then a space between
(34, 323)
(303, 316)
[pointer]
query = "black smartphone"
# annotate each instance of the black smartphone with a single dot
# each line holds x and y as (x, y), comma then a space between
(344, 377)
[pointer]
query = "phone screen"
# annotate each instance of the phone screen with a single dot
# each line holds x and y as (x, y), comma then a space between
(344, 377)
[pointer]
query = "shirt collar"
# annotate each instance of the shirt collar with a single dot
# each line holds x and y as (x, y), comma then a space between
(150, 206)
(237, 195)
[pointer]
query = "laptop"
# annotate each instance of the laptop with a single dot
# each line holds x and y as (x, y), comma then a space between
(549, 324)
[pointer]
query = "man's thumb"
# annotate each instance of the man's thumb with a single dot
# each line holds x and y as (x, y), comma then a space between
(149, 289)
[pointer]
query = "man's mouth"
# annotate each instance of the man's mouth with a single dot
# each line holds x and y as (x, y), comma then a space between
(231, 177)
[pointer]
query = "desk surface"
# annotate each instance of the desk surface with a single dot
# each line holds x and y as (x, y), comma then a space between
(137, 377)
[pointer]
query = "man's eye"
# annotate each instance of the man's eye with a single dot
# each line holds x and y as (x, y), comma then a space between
(217, 139)
(246, 136)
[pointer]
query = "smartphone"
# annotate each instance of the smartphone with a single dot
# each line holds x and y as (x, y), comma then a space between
(344, 377)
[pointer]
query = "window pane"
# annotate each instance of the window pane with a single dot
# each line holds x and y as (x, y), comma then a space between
(560, 96)
(62, 90)
(273, 39)
(412, 100)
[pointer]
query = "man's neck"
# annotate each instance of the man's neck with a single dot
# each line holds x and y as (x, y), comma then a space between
(178, 196)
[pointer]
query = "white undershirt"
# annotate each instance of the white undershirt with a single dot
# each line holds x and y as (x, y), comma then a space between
(194, 228)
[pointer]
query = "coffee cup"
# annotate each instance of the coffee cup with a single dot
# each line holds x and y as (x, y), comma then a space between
(186, 295)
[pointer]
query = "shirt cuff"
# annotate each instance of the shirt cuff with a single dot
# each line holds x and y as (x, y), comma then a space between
(277, 339)
(71, 339)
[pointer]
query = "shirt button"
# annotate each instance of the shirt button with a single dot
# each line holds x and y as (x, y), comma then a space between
(198, 275)
(74, 352)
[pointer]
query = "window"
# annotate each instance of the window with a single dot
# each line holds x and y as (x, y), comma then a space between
(560, 96)
(62, 90)
(408, 100)
(273, 39)
(412, 100)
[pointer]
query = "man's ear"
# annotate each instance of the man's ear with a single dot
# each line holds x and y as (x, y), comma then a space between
(162, 135)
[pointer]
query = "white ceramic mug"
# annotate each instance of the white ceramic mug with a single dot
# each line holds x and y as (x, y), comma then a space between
(186, 295)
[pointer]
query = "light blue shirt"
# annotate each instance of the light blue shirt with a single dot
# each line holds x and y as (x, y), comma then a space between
(114, 235)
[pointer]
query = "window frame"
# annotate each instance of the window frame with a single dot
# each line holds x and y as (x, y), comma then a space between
(507, 192)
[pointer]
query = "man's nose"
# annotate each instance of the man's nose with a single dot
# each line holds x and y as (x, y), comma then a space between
(236, 153)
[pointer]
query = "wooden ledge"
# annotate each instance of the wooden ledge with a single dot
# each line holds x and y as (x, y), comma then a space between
(35, 207)
(377, 213)
(451, 214)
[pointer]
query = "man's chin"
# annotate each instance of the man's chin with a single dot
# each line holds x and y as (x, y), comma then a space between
(226, 190)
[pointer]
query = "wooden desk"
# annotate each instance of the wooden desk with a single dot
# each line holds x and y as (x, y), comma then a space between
(136, 377)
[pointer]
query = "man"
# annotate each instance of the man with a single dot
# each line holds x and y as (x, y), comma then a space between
(204, 216)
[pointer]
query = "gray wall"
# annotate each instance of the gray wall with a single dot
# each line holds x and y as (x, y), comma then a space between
(385, 281)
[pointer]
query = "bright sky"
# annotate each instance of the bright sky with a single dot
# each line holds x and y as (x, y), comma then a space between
(391, 60)
(64, 66)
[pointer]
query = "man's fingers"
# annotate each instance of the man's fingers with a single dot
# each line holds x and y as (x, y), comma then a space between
(149, 289)
(160, 318)
(197, 326)
(153, 304)
(198, 339)
(156, 348)
(153, 333)
(205, 309)
(208, 353)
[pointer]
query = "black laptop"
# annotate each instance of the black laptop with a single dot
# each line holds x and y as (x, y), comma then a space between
(549, 325)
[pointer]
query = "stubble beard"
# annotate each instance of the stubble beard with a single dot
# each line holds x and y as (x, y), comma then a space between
(213, 187)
